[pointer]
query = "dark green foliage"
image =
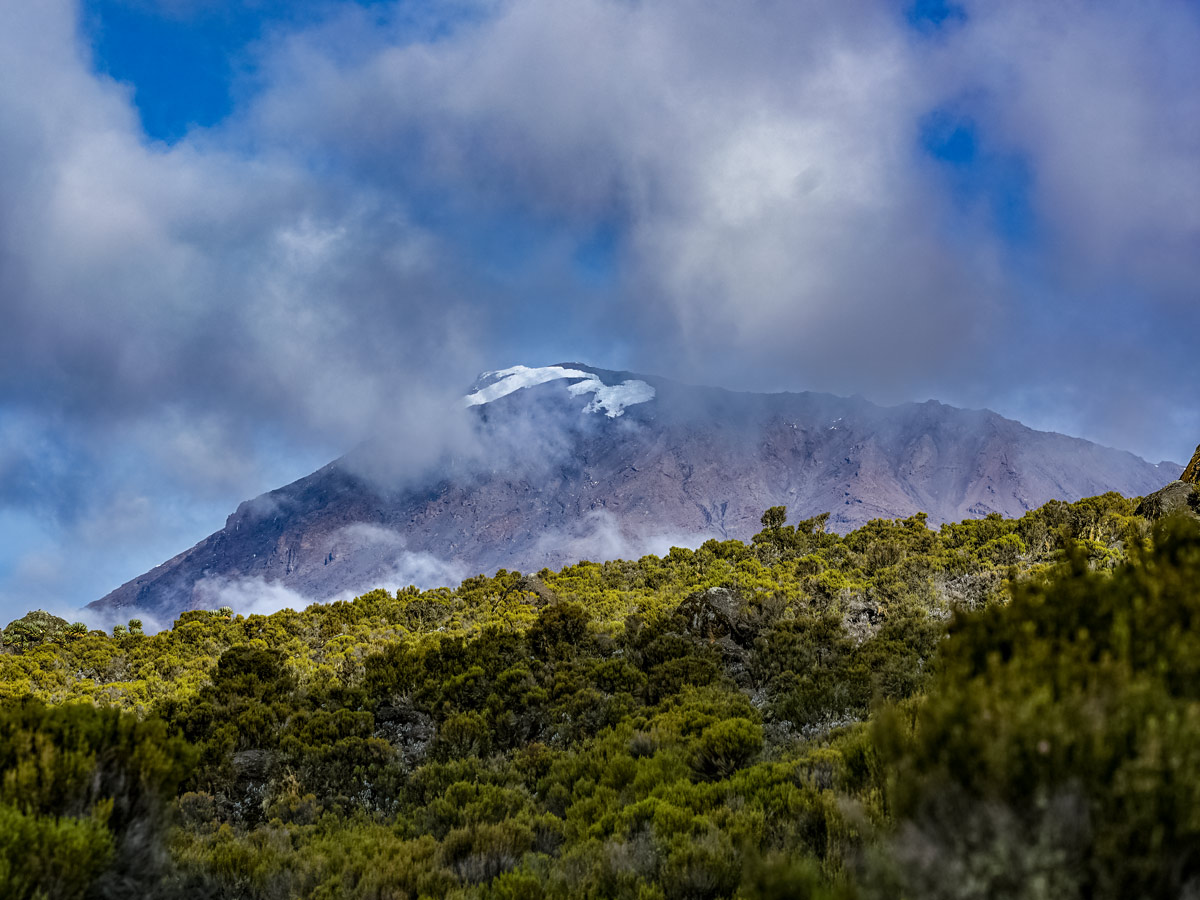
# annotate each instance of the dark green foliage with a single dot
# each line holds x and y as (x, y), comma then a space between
(784, 718)
(82, 800)
(726, 746)
(1062, 736)
(780, 541)
(37, 627)
(558, 630)
(44, 856)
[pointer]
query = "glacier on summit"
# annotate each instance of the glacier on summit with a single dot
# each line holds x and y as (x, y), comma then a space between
(609, 399)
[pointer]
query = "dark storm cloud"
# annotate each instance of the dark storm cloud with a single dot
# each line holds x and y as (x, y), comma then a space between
(1001, 210)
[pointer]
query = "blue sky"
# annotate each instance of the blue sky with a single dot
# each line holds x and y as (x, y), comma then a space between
(184, 59)
(237, 238)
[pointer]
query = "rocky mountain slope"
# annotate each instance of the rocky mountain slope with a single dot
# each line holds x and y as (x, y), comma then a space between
(588, 463)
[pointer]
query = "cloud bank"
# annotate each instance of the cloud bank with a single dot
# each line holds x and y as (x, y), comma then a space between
(999, 207)
(396, 568)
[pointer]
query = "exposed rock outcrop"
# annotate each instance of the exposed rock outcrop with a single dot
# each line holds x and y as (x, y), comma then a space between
(409, 730)
(1182, 496)
(1177, 497)
(1191, 474)
(714, 613)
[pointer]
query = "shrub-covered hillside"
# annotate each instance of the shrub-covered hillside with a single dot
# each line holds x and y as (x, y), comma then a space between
(1000, 708)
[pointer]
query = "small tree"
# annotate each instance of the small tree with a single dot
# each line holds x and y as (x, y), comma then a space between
(773, 518)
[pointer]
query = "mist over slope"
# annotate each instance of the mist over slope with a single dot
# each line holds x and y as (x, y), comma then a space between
(574, 462)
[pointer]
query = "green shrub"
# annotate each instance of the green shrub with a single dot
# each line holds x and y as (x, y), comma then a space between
(1060, 741)
(725, 747)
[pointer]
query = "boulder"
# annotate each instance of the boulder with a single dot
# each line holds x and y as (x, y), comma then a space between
(1191, 475)
(254, 765)
(409, 730)
(532, 584)
(1177, 497)
(714, 613)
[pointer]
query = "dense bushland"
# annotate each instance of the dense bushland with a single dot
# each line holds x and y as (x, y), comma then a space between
(996, 708)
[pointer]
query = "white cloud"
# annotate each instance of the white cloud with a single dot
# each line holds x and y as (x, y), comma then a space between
(780, 222)
(762, 164)
(189, 325)
(248, 596)
(397, 568)
(598, 536)
(1102, 99)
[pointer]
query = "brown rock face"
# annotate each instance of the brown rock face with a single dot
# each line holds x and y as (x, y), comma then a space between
(1192, 473)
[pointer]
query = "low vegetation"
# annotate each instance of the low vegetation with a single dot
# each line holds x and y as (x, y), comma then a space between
(997, 708)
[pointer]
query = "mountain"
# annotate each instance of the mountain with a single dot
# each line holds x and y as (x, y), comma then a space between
(570, 462)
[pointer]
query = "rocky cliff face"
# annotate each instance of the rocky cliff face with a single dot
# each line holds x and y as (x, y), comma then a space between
(1192, 473)
(1177, 497)
(597, 464)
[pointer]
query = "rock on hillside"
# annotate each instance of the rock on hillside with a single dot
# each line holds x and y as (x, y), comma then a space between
(1176, 497)
(1192, 473)
(1182, 496)
(587, 463)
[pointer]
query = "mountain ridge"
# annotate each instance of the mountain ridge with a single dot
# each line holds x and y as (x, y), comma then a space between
(560, 481)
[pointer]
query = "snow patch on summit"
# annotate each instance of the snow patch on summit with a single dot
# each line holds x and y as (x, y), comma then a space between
(510, 380)
(612, 399)
(609, 399)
